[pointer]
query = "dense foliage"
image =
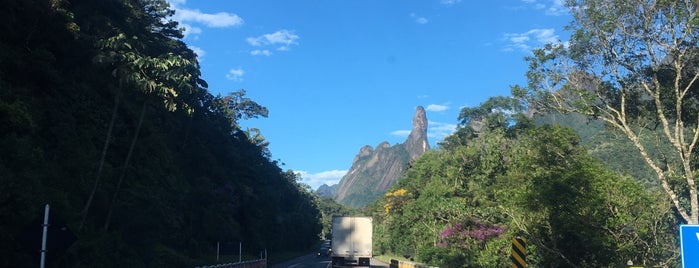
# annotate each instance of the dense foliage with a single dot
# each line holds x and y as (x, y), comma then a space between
(632, 65)
(610, 147)
(103, 115)
(499, 177)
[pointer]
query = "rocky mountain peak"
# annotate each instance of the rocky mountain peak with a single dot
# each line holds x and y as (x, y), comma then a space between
(375, 169)
(420, 120)
(417, 144)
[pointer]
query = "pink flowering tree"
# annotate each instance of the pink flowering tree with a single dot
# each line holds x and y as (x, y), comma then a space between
(463, 243)
(469, 234)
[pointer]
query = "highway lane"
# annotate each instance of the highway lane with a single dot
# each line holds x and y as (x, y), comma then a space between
(311, 261)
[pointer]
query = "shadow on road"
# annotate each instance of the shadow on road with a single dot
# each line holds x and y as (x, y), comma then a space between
(311, 261)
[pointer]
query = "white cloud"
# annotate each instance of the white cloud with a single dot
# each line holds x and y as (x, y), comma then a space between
(177, 2)
(216, 20)
(193, 19)
(401, 133)
(557, 8)
(419, 20)
(282, 38)
(550, 7)
(439, 130)
(436, 108)
(315, 180)
(449, 2)
(519, 38)
(190, 30)
(200, 52)
(235, 74)
(260, 52)
(545, 36)
(530, 39)
(436, 130)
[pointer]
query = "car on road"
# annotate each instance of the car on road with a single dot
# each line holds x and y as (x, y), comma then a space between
(324, 251)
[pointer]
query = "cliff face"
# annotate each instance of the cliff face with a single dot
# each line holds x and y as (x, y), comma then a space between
(375, 169)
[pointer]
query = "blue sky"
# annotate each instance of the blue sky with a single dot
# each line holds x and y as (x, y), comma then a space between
(340, 74)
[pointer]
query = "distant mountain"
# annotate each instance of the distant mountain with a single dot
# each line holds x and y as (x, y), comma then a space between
(325, 190)
(375, 169)
(611, 148)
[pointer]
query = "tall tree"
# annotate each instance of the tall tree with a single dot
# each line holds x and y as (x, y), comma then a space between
(631, 64)
(63, 67)
(145, 56)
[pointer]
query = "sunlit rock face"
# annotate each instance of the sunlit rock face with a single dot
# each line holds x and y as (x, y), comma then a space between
(375, 169)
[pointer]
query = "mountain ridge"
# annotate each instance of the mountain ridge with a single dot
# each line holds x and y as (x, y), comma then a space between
(375, 169)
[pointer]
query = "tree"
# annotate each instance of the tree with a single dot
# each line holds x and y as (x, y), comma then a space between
(631, 64)
(145, 56)
(576, 213)
(241, 107)
(63, 67)
(495, 113)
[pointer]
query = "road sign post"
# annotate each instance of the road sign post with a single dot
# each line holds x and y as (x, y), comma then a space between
(689, 245)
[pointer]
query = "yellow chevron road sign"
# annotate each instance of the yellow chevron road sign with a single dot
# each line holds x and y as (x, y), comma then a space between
(519, 252)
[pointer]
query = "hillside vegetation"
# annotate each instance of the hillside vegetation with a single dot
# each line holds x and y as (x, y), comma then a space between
(604, 178)
(461, 205)
(103, 115)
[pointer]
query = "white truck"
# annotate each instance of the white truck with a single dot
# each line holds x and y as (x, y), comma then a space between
(351, 241)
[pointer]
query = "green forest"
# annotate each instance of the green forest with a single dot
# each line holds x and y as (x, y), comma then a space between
(460, 206)
(593, 161)
(104, 117)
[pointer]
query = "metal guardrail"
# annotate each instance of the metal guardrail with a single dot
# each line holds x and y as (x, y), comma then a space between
(261, 263)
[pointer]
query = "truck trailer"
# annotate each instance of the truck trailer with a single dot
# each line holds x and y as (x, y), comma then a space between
(351, 241)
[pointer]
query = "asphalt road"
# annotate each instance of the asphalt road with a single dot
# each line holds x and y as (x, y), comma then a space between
(311, 261)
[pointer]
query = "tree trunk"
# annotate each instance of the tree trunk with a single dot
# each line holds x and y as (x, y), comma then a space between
(98, 176)
(662, 178)
(186, 133)
(125, 167)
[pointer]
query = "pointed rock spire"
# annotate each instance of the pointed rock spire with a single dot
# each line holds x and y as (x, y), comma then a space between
(417, 143)
(375, 169)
